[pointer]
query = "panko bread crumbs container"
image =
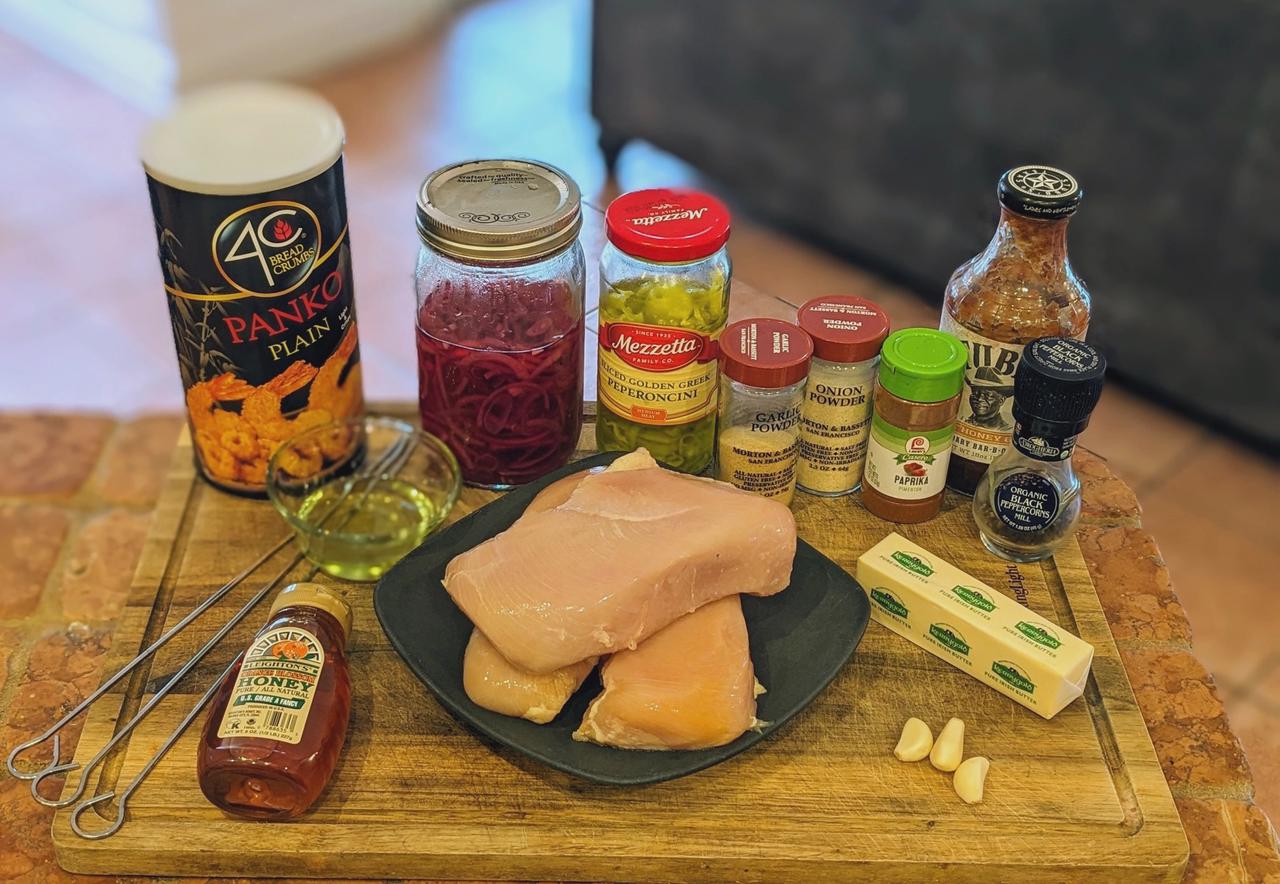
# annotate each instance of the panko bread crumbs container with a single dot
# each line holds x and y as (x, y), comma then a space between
(247, 190)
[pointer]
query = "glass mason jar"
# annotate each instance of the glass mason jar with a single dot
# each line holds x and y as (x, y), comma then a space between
(500, 302)
(664, 300)
(764, 364)
(1019, 288)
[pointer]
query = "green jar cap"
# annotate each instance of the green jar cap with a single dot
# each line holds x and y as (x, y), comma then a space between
(922, 364)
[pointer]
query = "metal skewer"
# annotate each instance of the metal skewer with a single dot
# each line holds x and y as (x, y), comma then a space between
(159, 695)
(391, 462)
(177, 733)
(79, 708)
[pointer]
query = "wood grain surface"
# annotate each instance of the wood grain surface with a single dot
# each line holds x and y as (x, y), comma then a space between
(418, 795)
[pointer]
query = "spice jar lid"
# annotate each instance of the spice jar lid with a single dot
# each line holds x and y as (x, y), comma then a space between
(1039, 192)
(669, 226)
(844, 328)
(242, 138)
(767, 353)
(1059, 381)
(499, 211)
(315, 595)
(922, 364)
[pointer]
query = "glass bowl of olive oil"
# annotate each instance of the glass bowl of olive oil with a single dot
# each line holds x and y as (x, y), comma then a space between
(362, 493)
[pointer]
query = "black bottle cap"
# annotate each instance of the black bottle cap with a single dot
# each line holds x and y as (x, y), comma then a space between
(1039, 192)
(1057, 385)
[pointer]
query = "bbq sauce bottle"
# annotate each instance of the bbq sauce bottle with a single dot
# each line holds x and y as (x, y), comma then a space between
(279, 720)
(1021, 287)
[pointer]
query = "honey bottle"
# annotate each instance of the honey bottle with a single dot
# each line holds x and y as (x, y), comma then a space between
(279, 720)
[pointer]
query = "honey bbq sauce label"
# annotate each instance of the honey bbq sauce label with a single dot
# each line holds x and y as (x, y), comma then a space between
(657, 375)
(907, 465)
(274, 690)
(984, 425)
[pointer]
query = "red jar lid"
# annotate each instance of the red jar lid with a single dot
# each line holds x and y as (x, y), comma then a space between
(765, 353)
(670, 226)
(844, 328)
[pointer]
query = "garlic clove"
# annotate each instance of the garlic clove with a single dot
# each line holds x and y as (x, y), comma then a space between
(915, 742)
(970, 779)
(948, 749)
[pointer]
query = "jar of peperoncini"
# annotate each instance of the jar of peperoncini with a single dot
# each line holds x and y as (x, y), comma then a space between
(664, 300)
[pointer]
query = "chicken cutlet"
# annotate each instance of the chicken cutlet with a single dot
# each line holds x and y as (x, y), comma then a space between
(689, 686)
(629, 551)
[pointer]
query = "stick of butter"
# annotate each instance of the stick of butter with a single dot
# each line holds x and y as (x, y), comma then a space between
(990, 636)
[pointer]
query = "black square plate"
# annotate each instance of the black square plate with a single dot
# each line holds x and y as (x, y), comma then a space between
(800, 638)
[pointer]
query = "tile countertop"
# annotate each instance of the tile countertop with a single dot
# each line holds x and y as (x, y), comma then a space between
(76, 494)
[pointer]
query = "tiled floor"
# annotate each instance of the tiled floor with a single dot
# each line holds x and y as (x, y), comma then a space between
(84, 328)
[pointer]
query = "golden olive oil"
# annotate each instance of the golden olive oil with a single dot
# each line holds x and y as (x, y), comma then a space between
(360, 534)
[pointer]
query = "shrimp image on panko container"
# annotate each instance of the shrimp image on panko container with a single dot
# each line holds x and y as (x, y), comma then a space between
(246, 186)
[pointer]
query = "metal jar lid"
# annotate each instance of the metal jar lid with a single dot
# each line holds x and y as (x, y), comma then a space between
(667, 226)
(499, 211)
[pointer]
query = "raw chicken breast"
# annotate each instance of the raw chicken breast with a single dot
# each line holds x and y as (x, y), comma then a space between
(629, 551)
(689, 686)
(493, 683)
(559, 491)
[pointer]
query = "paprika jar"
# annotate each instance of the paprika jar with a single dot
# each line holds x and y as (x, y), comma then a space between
(500, 301)
(916, 398)
(664, 300)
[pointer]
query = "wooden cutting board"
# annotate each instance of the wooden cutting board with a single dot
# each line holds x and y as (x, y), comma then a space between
(1079, 798)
